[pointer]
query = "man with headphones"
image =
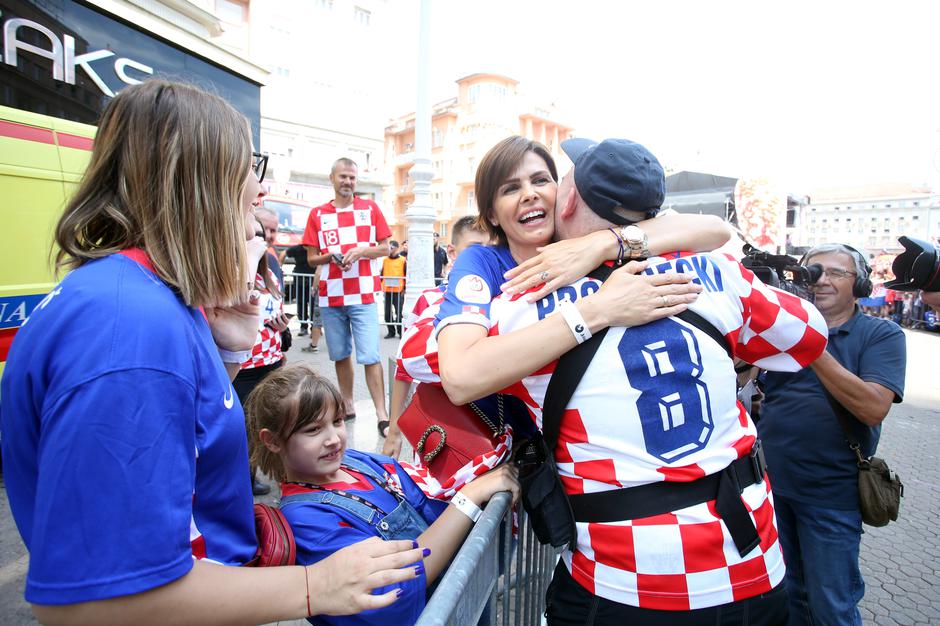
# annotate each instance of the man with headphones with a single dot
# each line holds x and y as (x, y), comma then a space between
(813, 471)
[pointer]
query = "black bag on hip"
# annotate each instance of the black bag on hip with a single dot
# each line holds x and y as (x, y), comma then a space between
(879, 492)
(543, 495)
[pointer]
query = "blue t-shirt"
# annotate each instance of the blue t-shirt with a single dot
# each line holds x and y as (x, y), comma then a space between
(473, 283)
(808, 459)
(322, 529)
(124, 447)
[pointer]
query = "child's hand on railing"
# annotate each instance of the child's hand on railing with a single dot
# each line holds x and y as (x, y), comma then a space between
(505, 477)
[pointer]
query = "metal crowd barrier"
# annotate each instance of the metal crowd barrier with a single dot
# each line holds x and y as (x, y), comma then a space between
(298, 286)
(494, 577)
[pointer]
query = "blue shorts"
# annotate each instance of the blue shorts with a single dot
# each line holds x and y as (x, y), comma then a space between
(343, 324)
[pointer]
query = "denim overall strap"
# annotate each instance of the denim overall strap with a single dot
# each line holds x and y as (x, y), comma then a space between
(403, 522)
(368, 515)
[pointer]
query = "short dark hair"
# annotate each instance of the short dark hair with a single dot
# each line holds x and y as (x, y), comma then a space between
(497, 165)
(464, 224)
(392, 243)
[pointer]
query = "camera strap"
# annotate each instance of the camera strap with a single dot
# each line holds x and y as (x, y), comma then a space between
(725, 487)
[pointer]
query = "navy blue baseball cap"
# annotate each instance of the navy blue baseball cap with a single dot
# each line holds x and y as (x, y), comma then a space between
(616, 173)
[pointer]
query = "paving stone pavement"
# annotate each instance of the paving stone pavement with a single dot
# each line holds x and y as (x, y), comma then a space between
(900, 562)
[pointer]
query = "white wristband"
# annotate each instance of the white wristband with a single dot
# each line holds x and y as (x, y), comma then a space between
(575, 321)
(234, 357)
(466, 506)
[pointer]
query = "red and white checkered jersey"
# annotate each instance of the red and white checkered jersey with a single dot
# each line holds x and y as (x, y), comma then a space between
(418, 341)
(336, 231)
(658, 403)
(267, 348)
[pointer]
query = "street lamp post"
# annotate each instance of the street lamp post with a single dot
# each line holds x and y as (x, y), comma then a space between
(420, 215)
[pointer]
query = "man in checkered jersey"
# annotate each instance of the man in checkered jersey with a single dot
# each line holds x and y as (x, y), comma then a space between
(657, 405)
(347, 235)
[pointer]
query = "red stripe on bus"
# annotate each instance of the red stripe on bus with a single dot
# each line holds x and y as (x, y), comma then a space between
(75, 141)
(29, 133)
(6, 338)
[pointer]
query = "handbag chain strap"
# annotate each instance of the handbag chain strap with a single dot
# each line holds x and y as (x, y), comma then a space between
(486, 420)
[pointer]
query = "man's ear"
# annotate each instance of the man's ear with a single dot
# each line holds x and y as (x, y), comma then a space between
(450, 251)
(567, 210)
(271, 441)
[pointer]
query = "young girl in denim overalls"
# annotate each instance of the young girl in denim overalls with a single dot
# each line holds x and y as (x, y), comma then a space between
(333, 497)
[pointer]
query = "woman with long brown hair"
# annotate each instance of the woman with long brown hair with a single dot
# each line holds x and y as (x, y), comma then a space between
(124, 448)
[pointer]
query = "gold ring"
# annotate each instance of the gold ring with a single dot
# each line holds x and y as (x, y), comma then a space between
(665, 302)
(544, 276)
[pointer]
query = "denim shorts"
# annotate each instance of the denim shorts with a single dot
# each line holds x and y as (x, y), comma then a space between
(354, 322)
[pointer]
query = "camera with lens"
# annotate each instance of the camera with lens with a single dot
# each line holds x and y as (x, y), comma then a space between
(918, 267)
(782, 271)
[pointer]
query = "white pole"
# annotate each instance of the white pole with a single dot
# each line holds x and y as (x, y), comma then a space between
(420, 215)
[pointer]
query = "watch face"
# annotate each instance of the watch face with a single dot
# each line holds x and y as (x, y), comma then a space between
(633, 235)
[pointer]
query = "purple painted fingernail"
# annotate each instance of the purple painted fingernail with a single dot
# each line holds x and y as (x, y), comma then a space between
(426, 552)
(419, 569)
(399, 593)
(414, 545)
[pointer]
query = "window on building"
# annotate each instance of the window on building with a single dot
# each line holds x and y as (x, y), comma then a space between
(232, 11)
(471, 201)
(282, 71)
(326, 5)
(887, 206)
(437, 138)
(362, 17)
(473, 94)
(916, 203)
(837, 208)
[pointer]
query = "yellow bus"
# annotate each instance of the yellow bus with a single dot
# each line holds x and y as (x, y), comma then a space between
(63, 60)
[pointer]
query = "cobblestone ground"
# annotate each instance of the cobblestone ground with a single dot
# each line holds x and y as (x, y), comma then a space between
(900, 562)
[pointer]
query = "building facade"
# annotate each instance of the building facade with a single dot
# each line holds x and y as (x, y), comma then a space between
(486, 109)
(871, 216)
(322, 100)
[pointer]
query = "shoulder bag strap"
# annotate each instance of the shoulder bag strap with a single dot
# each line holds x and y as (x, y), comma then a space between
(844, 416)
(568, 372)
(571, 366)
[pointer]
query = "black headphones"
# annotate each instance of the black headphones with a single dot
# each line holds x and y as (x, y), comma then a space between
(862, 286)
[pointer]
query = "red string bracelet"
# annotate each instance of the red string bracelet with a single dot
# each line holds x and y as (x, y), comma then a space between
(307, 586)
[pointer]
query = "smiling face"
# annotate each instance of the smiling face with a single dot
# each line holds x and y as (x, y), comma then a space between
(524, 204)
(834, 293)
(343, 178)
(313, 453)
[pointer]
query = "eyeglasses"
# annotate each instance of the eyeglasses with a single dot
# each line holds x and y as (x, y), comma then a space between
(834, 273)
(259, 164)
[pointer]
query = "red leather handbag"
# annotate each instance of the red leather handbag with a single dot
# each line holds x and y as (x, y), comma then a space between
(446, 437)
(275, 539)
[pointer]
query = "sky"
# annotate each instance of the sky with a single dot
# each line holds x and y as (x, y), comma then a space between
(807, 94)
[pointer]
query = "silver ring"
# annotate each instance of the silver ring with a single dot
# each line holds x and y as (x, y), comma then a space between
(544, 276)
(665, 302)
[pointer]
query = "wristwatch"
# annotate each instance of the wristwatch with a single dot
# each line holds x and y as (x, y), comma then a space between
(466, 506)
(636, 241)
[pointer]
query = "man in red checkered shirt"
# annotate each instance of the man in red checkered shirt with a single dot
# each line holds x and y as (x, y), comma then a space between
(347, 235)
